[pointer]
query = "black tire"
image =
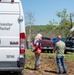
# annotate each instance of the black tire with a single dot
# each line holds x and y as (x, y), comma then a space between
(47, 51)
(65, 52)
(51, 51)
(21, 73)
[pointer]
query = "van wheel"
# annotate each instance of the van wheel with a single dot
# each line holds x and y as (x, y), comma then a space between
(20, 73)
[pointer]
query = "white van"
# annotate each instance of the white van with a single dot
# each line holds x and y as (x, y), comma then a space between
(12, 36)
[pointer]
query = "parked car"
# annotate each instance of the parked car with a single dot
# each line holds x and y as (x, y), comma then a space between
(69, 44)
(63, 39)
(47, 44)
(54, 40)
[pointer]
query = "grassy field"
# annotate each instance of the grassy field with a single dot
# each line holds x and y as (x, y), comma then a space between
(30, 54)
(47, 63)
(30, 58)
(69, 56)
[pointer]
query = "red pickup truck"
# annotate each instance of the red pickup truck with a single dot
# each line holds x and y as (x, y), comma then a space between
(47, 44)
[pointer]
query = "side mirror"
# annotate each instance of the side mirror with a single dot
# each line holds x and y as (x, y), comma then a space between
(20, 18)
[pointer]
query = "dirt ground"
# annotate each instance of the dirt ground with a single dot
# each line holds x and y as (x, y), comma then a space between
(48, 67)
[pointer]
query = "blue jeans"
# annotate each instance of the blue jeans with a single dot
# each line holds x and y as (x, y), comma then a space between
(61, 63)
(37, 62)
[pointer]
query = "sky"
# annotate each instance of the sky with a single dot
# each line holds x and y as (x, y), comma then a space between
(45, 10)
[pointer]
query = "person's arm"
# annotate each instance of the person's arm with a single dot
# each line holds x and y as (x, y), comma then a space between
(55, 48)
(32, 42)
(32, 45)
(65, 47)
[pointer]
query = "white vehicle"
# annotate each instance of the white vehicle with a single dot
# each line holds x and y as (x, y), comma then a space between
(12, 36)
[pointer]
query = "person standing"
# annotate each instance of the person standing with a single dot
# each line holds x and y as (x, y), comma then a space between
(36, 48)
(59, 49)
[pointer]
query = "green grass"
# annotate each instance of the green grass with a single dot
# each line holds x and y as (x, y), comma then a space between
(30, 58)
(69, 56)
(30, 54)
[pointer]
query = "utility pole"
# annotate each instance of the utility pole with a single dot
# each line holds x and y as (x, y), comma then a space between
(29, 37)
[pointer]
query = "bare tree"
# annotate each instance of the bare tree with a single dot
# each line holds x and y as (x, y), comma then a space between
(29, 18)
(71, 15)
(29, 21)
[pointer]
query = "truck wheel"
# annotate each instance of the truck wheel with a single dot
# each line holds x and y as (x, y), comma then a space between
(51, 51)
(65, 52)
(47, 51)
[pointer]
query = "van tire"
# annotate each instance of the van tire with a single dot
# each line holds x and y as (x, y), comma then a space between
(20, 73)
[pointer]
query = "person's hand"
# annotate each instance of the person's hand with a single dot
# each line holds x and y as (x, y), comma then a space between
(33, 49)
(31, 44)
